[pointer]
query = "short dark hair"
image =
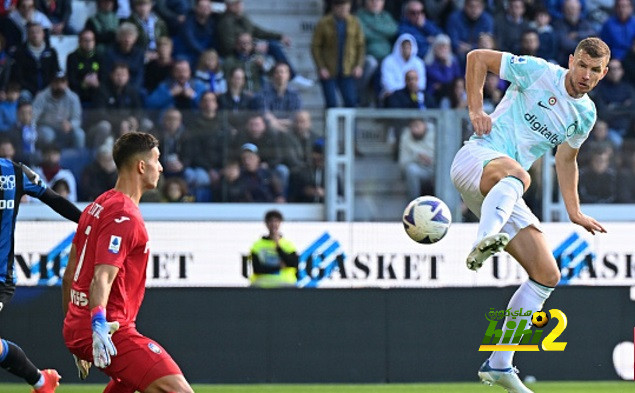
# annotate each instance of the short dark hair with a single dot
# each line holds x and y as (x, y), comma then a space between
(131, 144)
(273, 214)
(594, 47)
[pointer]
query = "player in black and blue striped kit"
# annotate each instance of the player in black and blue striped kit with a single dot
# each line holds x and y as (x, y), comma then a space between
(17, 180)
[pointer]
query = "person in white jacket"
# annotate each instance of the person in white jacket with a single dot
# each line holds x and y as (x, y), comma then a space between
(402, 59)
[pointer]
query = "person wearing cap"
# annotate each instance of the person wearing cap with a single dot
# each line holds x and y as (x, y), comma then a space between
(35, 62)
(274, 258)
(57, 114)
(338, 49)
(256, 182)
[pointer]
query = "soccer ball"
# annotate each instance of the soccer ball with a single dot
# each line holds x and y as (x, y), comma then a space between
(539, 319)
(427, 219)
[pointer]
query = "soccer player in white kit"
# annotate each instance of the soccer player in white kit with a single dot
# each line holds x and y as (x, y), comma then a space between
(545, 106)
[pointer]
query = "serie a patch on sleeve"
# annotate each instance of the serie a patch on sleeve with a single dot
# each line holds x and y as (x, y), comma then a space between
(114, 244)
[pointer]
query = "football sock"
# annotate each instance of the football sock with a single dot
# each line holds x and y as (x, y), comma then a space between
(529, 296)
(498, 206)
(14, 360)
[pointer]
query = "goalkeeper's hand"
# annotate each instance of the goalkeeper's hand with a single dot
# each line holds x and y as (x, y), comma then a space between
(103, 347)
(83, 367)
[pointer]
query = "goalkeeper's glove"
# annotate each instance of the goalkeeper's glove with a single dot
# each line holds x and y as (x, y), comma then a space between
(103, 347)
(83, 367)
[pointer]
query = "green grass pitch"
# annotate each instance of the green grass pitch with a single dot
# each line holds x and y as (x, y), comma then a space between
(539, 387)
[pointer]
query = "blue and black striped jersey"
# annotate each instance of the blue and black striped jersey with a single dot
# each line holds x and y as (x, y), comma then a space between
(15, 181)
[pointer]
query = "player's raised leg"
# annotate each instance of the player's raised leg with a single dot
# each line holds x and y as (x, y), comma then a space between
(529, 247)
(503, 183)
(14, 360)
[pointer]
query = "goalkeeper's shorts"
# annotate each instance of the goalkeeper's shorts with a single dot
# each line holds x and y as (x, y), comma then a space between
(139, 360)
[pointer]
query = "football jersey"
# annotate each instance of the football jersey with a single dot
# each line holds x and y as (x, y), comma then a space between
(536, 113)
(110, 231)
(15, 181)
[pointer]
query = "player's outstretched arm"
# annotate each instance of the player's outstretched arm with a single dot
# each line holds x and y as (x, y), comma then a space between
(567, 170)
(479, 63)
(61, 205)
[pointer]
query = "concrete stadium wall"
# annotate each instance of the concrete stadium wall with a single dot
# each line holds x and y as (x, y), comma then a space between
(220, 335)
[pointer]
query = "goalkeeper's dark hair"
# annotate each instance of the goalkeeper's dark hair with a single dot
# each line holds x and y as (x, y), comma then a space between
(132, 144)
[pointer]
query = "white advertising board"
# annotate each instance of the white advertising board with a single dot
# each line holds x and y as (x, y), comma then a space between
(335, 255)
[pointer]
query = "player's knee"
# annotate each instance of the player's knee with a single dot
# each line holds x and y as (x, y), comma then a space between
(523, 176)
(170, 384)
(549, 278)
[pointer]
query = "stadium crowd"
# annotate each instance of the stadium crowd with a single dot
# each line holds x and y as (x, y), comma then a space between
(221, 95)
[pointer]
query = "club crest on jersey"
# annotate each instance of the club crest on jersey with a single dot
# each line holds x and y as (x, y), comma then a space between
(7, 182)
(517, 60)
(572, 128)
(154, 348)
(115, 244)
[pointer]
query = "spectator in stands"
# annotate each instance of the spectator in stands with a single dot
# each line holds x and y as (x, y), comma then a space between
(85, 69)
(509, 26)
(380, 28)
(227, 188)
(416, 158)
(99, 176)
(9, 107)
(487, 41)
(629, 64)
(277, 101)
(308, 184)
(255, 64)
(302, 137)
(180, 91)
(207, 144)
(51, 171)
(555, 8)
(57, 114)
(174, 13)
(157, 70)
(464, 27)
(619, 30)
(198, 33)
(125, 51)
(546, 35)
(455, 96)
(268, 144)
(598, 12)
(402, 59)
(209, 71)
(116, 100)
(235, 101)
(172, 143)
(23, 135)
(410, 97)
(150, 27)
(442, 67)
(256, 182)
(615, 101)
(26, 14)
(59, 13)
(35, 62)
(600, 133)
(529, 43)
(174, 190)
(570, 30)
(598, 179)
(104, 24)
(415, 23)
(234, 22)
(338, 50)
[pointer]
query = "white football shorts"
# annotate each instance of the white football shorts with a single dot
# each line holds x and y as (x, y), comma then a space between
(466, 172)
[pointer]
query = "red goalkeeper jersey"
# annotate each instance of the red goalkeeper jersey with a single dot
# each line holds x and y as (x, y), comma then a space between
(110, 231)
